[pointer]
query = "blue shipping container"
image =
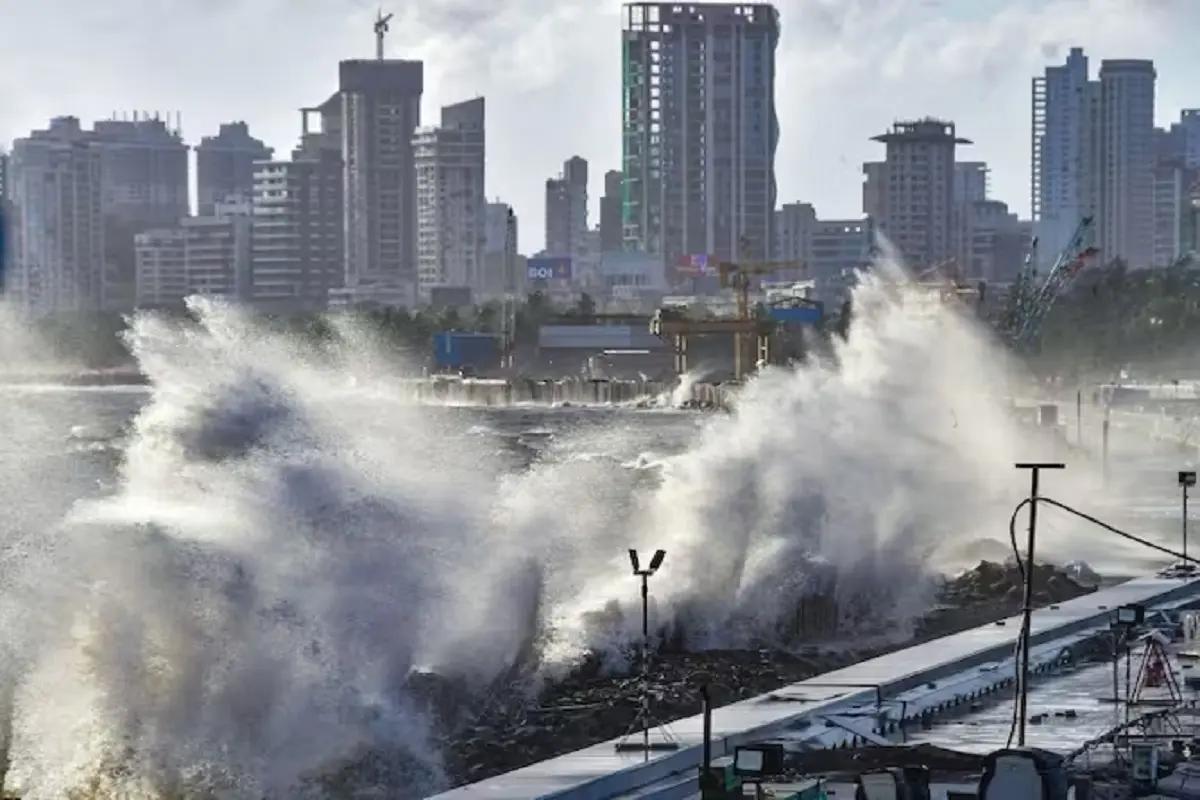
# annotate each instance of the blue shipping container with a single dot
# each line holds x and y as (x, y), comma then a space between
(802, 314)
(457, 350)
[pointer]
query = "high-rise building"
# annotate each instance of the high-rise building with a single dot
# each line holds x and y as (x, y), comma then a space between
(1173, 206)
(225, 165)
(1094, 149)
(298, 247)
(566, 210)
(501, 227)
(145, 170)
(831, 251)
(971, 182)
(1063, 154)
(611, 234)
(1189, 132)
(699, 128)
(207, 255)
(451, 202)
(919, 217)
(1127, 129)
(377, 109)
(500, 277)
(3, 175)
(875, 186)
(56, 261)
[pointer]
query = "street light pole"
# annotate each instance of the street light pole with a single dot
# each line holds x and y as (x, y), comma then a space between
(644, 717)
(1035, 469)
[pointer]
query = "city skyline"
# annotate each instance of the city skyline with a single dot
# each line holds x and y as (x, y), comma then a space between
(846, 71)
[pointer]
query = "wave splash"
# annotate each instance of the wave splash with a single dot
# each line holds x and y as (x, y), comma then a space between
(291, 546)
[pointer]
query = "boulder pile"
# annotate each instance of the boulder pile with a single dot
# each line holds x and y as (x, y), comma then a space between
(591, 705)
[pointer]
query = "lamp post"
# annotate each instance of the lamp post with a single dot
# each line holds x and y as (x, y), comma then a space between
(644, 717)
(1187, 479)
(1035, 469)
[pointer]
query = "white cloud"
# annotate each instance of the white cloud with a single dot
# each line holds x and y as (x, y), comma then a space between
(551, 72)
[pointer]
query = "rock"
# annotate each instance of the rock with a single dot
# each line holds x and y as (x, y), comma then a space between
(591, 705)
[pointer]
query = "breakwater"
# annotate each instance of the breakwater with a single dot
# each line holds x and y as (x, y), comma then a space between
(566, 391)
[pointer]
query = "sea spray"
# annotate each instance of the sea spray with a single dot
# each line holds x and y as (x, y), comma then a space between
(291, 542)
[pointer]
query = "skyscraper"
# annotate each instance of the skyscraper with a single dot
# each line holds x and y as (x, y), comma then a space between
(298, 219)
(1127, 128)
(611, 234)
(919, 210)
(378, 106)
(1062, 153)
(55, 184)
(566, 210)
(1094, 149)
(699, 128)
(225, 165)
(451, 202)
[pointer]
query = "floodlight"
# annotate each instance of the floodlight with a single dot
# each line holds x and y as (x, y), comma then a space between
(1187, 478)
(659, 555)
(633, 559)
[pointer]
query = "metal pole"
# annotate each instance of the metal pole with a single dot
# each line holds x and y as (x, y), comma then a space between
(1027, 608)
(1027, 605)
(1185, 523)
(1104, 448)
(1116, 663)
(1079, 417)
(646, 664)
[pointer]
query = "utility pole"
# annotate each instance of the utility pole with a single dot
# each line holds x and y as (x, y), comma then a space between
(1035, 469)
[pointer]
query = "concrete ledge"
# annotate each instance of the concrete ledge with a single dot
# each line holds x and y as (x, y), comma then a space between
(599, 772)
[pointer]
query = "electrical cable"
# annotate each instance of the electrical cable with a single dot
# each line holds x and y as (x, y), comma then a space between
(1024, 633)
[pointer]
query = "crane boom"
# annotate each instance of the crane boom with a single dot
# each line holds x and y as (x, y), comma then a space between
(1033, 303)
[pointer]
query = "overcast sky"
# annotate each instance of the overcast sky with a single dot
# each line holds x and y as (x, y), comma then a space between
(550, 70)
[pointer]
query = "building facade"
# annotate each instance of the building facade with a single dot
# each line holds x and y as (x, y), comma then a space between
(1094, 151)
(225, 166)
(699, 129)
(297, 227)
(207, 256)
(377, 110)
(451, 199)
(57, 247)
(919, 214)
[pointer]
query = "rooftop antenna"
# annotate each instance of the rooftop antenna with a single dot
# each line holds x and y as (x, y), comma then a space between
(381, 30)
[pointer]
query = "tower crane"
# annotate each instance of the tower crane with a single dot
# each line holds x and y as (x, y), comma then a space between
(382, 28)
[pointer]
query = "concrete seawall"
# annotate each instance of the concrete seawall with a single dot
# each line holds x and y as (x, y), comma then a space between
(501, 392)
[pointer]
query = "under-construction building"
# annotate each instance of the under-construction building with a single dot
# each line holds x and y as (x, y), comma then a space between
(700, 128)
(379, 108)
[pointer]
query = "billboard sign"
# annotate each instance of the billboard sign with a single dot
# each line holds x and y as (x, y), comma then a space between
(696, 266)
(548, 268)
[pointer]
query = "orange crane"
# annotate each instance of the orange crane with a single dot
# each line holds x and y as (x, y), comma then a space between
(736, 276)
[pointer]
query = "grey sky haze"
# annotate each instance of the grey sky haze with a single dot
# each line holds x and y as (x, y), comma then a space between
(550, 70)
